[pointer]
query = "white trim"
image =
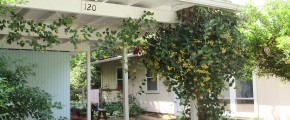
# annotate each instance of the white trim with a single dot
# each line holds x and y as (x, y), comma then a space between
(113, 59)
(158, 85)
(216, 4)
(103, 9)
(255, 94)
(233, 98)
(233, 105)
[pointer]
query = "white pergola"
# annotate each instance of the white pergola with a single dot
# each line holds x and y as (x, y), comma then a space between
(103, 14)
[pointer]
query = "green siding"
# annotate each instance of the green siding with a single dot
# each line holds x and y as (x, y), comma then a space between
(52, 74)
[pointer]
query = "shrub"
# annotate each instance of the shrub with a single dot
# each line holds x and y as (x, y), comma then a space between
(116, 109)
(19, 101)
(78, 109)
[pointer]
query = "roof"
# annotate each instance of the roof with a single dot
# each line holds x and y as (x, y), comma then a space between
(102, 14)
(114, 58)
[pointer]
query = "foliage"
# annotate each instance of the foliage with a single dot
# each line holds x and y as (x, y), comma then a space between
(267, 30)
(116, 109)
(197, 55)
(79, 109)
(129, 35)
(78, 72)
(40, 35)
(19, 101)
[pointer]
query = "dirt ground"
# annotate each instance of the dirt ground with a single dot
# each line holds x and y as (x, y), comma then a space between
(149, 116)
(146, 116)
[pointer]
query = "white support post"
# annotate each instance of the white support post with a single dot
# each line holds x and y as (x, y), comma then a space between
(255, 93)
(233, 106)
(125, 84)
(193, 110)
(89, 85)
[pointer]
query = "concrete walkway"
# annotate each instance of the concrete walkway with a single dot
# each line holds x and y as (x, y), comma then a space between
(142, 117)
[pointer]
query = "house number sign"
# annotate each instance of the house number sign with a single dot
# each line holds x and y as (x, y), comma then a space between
(89, 6)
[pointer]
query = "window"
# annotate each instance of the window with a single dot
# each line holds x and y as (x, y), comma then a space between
(119, 72)
(240, 98)
(244, 96)
(152, 84)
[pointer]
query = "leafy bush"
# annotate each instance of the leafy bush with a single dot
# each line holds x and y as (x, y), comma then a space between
(116, 109)
(19, 101)
(79, 109)
(135, 110)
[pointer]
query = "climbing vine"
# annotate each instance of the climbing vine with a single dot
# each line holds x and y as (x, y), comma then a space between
(38, 34)
(197, 55)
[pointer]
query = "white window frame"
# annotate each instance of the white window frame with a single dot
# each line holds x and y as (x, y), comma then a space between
(233, 98)
(152, 91)
(118, 67)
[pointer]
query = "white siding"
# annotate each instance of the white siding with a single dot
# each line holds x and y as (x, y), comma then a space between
(273, 99)
(162, 102)
(52, 74)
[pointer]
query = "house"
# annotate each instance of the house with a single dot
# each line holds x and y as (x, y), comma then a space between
(262, 97)
(53, 64)
(155, 98)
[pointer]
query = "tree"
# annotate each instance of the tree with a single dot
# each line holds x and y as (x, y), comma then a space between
(267, 31)
(197, 55)
(17, 100)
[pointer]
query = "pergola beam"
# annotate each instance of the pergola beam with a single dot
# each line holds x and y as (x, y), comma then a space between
(102, 9)
(132, 2)
(216, 4)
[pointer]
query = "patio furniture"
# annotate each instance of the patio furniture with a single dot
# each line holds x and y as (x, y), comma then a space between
(100, 112)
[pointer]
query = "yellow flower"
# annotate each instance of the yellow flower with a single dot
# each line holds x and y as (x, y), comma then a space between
(198, 41)
(176, 77)
(169, 68)
(224, 50)
(202, 71)
(182, 52)
(204, 66)
(202, 85)
(185, 65)
(208, 90)
(181, 60)
(156, 64)
(211, 43)
(39, 27)
(126, 36)
(190, 67)
(207, 78)
(105, 57)
(120, 47)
